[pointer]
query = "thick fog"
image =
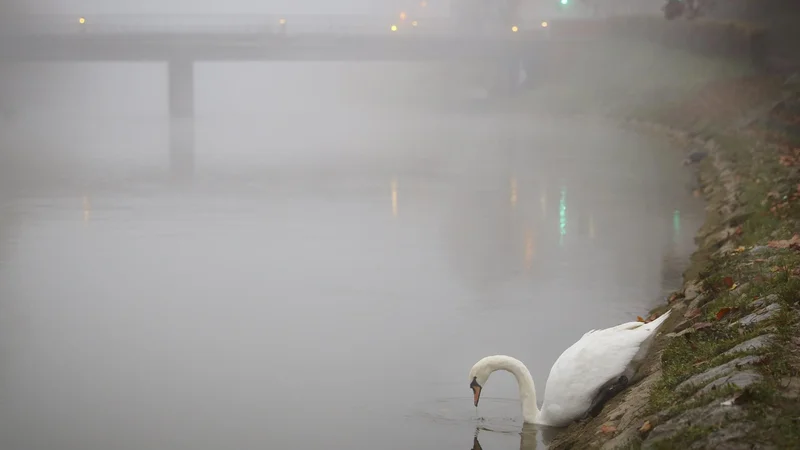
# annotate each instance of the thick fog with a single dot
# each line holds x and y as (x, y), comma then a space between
(210, 7)
(236, 251)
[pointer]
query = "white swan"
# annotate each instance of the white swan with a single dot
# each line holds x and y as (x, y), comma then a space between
(586, 375)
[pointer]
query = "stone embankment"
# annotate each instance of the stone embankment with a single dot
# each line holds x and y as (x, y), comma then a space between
(725, 371)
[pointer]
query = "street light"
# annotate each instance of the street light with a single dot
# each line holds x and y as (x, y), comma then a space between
(402, 16)
(394, 28)
(414, 23)
(514, 29)
(81, 20)
(544, 24)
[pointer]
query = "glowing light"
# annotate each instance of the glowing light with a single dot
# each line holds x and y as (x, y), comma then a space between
(394, 198)
(82, 20)
(513, 192)
(402, 16)
(394, 28)
(87, 209)
(545, 24)
(514, 29)
(414, 23)
(564, 2)
(562, 216)
(282, 21)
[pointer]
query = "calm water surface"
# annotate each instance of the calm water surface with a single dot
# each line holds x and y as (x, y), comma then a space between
(327, 289)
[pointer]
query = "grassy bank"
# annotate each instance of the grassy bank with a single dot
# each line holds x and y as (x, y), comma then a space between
(724, 372)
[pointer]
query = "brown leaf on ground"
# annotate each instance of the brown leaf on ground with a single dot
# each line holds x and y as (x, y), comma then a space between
(605, 429)
(647, 426)
(785, 243)
(723, 312)
(692, 313)
(639, 319)
(728, 282)
(701, 325)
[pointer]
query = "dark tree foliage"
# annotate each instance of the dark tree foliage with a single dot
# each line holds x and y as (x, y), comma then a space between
(687, 9)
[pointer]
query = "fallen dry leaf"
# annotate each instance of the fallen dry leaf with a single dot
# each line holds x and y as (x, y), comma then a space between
(647, 426)
(701, 325)
(735, 285)
(605, 429)
(728, 281)
(723, 312)
(692, 313)
(639, 319)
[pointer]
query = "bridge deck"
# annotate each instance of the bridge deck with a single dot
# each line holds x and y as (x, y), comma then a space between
(222, 47)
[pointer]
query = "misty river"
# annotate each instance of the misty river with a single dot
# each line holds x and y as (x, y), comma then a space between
(330, 274)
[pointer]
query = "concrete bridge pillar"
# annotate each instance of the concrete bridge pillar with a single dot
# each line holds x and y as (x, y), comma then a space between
(181, 149)
(180, 90)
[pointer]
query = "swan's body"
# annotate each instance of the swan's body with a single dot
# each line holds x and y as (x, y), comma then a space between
(600, 363)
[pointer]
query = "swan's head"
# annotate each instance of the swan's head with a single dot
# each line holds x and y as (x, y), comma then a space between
(478, 376)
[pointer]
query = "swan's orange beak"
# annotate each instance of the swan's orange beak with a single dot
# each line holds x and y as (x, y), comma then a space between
(476, 390)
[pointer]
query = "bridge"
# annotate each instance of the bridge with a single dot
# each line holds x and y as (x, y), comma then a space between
(180, 41)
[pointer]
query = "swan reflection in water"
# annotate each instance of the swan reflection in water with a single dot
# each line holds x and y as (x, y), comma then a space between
(528, 437)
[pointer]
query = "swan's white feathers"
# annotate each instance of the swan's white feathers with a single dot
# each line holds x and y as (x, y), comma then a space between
(599, 357)
(580, 371)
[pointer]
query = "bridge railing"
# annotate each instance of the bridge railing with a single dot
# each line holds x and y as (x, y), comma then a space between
(221, 23)
(254, 24)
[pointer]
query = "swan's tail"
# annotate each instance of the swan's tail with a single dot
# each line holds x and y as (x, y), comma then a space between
(654, 325)
(649, 330)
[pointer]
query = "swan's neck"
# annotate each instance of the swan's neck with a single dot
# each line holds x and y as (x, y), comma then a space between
(527, 391)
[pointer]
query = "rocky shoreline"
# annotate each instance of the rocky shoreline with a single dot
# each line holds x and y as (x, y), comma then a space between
(725, 370)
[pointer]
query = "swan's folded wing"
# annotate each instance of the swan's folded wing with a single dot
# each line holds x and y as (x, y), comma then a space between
(596, 358)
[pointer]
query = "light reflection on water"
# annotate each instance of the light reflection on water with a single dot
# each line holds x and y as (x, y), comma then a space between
(287, 297)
